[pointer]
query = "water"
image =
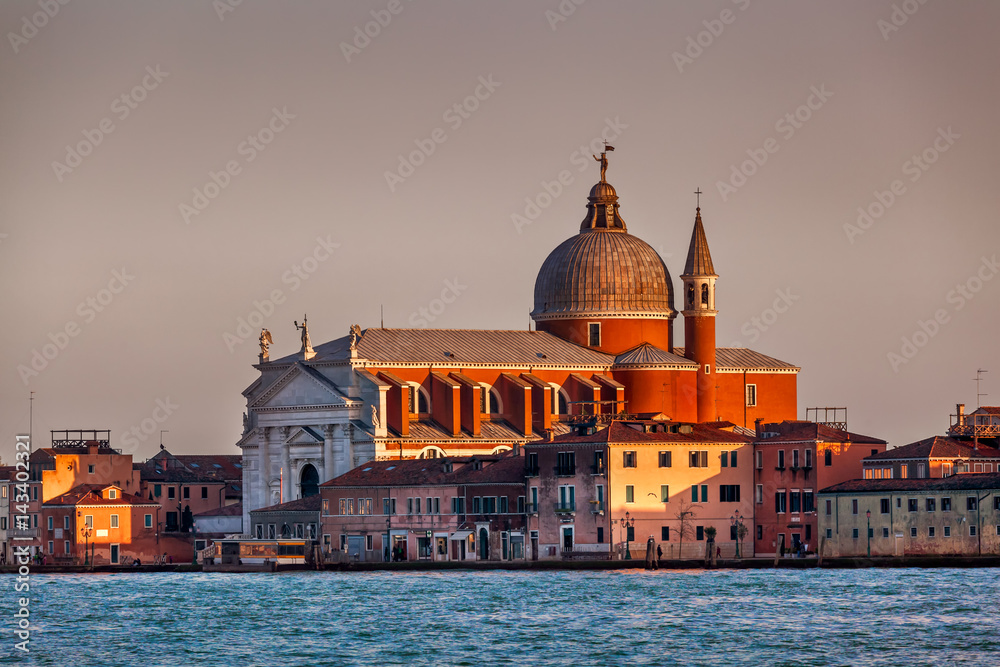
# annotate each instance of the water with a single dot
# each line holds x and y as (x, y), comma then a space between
(748, 617)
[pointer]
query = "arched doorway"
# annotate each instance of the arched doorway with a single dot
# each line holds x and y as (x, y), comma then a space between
(309, 480)
(484, 544)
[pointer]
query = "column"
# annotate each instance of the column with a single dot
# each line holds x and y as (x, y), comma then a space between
(287, 473)
(328, 463)
(263, 470)
(340, 449)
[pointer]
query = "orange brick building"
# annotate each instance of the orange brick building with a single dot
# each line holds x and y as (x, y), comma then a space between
(604, 345)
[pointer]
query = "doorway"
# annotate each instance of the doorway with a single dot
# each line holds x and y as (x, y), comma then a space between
(114, 554)
(484, 544)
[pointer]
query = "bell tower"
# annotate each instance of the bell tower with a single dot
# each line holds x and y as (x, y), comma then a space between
(699, 316)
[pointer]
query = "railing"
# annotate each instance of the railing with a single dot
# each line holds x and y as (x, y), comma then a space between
(597, 507)
(565, 471)
(531, 471)
(531, 509)
(22, 533)
(565, 507)
(598, 469)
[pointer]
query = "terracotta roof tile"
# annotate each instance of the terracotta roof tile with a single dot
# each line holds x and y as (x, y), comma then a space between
(308, 504)
(740, 358)
(620, 432)
(795, 431)
(936, 447)
(496, 469)
(989, 480)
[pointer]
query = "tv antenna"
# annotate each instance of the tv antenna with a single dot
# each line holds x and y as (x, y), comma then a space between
(979, 394)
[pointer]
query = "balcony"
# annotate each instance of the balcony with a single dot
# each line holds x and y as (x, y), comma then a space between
(598, 469)
(565, 471)
(22, 533)
(531, 509)
(596, 507)
(565, 507)
(531, 471)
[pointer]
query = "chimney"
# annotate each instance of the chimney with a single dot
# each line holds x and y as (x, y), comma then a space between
(550, 435)
(758, 425)
(960, 414)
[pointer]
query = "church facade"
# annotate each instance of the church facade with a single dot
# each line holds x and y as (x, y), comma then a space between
(603, 346)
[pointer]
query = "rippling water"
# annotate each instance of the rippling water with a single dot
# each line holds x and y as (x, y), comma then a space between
(747, 617)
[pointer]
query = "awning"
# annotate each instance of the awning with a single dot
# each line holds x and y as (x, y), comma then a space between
(460, 535)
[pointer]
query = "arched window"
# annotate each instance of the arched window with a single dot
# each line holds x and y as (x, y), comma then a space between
(704, 293)
(309, 481)
(420, 401)
(501, 449)
(431, 453)
(496, 405)
(690, 294)
(488, 403)
(828, 457)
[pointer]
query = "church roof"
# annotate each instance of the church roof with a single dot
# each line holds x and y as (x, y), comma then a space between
(699, 260)
(462, 347)
(649, 355)
(742, 358)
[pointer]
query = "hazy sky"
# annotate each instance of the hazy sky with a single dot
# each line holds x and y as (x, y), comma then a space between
(114, 116)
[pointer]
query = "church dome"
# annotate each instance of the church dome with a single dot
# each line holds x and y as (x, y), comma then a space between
(603, 271)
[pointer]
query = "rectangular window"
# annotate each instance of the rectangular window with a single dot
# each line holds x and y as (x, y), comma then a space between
(458, 505)
(187, 492)
(795, 458)
(88, 520)
(828, 457)
(156, 490)
(829, 533)
(947, 531)
(629, 493)
(970, 504)
(779, 501)
(704, 493)
(913, 531)
(171, 492)
(732, 459)
(931, 502)
(369, 542)
(598, 462)
(631, 533)
(829, 507)
(930, 531)
(698, 459)
(809, 458)
(148, 522)
(760, 494)
(114, 520)
(921, 470)
(911, 504)
(350, 505)
(972, 531)
(664, 493)
(854, 506)
(477, 505)
(664, 533)
(899, 502)
(567, 498)
(808, 502)
(52, 548)
(751, 395)
(883, 504)
(66, 547)
(600, 534)
(759, 459)
(885, 532)
(729, 493)
(204, 492)
(760, 532)
(430, 506)
(795, 498)
(904, 470)
(520, 504)
(599, 491)
(781, 459)
(725, 459)
(699, 532)
(946, 504)
(854, 533)
(566, 463)
(665, 461)
(504, 505)
(628, 459)
(946, 470)
(694, 493)
(996, 503)
(90, 468)
(594, 334)
(385, 507)
(51, 522)
(65, 523)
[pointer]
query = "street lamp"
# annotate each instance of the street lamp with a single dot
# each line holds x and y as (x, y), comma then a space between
(736, 521)
(86, 541)
(626, 523)
(387, 547)
(868, 515)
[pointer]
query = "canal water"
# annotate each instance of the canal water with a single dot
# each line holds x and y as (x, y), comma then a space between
(745, 617)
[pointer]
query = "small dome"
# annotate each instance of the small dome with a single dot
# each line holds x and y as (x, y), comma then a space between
(602, 190)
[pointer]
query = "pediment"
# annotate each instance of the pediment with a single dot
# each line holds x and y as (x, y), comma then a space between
(300, 387)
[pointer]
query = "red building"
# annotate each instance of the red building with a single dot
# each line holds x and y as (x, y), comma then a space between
(793, 460)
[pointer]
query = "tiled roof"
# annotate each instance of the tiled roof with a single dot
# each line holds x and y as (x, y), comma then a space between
(798, 431)
(307, 504)
(620, 432)
(220, 466)
(236, 509)
(989, 480)
(649, 355)
(937, 447)
(466, 347)
(987, 409)
(699, 260)
(740, 358)
(154, 471)
(431, 472)
(90, 494)
(428, 431)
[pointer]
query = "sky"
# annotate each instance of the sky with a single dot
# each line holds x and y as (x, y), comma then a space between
(173, 176)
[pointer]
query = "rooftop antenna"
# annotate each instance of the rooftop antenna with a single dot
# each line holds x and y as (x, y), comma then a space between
(979, 394)
(381, 309)
(161, 438)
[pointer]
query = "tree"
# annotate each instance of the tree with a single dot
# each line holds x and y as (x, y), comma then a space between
(684, 515)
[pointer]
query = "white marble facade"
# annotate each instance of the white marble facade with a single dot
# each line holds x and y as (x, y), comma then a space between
(307, 420)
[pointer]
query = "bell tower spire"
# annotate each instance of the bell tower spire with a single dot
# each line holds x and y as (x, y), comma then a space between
(699, 315)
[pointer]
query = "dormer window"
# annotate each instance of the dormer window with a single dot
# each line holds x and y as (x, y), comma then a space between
(112, 494)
